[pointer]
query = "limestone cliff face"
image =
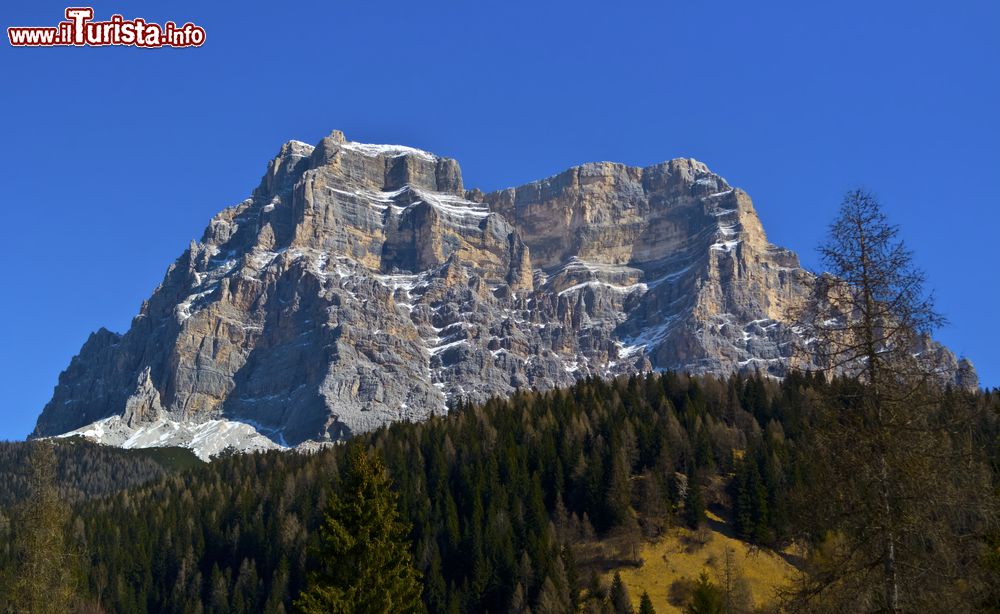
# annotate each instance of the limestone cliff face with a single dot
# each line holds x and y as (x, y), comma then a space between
(361, 284)
(701, 288)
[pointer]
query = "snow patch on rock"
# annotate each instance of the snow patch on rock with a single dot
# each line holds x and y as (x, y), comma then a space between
(206, 439)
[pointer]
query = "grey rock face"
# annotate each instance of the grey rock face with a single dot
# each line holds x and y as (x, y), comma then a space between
(361, 284)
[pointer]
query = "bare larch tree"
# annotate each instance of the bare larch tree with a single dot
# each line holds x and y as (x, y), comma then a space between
(899, 491)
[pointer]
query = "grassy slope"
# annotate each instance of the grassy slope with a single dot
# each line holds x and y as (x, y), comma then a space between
(678, 555)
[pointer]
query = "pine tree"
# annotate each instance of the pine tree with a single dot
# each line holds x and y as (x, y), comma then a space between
(694, 504)
(363, 562)
(618, 596)
(742, 500)
(707, 598)
(279, 588)
(220, 591)
(552, 599)
(646, 604)
(619, 489)
(519, 601)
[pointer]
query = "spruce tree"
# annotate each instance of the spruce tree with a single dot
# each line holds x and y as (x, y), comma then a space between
(707, 598)
(742, 500)
(618, 596)
(694, 504)
(363, 563)
(646, 604)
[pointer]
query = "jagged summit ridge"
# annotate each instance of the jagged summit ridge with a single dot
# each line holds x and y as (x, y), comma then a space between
(362, 284)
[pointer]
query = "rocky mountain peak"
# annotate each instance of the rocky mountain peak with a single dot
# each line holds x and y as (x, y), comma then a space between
(387, 168)
(361, 284)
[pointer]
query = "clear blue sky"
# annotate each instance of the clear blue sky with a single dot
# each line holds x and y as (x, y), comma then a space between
(114, 158)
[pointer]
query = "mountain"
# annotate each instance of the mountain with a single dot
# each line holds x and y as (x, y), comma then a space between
(363, 284)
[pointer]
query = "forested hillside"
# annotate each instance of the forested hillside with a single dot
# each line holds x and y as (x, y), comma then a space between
(86, 470)
(515, 504)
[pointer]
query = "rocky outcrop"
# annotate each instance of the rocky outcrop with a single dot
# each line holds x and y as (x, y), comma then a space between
(361, 284)
(697, 284)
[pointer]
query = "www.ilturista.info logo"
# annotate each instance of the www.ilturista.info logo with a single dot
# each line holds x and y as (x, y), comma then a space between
(79, 30)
